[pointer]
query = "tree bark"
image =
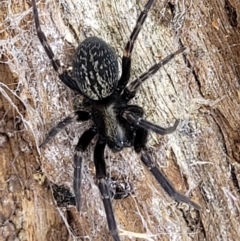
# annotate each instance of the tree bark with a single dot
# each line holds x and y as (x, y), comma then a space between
(200, 87)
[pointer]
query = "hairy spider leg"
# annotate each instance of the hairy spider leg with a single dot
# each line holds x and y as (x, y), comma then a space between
(63, 73)
(133, 86)
(126, 59)
(140, 147)
(134, 109)
(139, 121)
(101, 176)
(55, 62)
(165, 183)
(81, 146)
(78, 116)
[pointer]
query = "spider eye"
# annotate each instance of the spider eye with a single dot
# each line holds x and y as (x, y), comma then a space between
(95, 68)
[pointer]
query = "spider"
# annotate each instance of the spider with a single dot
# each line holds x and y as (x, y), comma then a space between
(94, 75)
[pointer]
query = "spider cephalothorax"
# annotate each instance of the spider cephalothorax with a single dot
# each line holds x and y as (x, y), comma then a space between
(117, 124)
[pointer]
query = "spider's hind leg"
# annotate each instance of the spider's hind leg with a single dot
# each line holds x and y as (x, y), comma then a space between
(139, 146)
(42, 38)
(126, 59)
(62, 71)
(133, 87)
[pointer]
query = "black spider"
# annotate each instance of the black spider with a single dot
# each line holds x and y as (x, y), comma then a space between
(94, 75)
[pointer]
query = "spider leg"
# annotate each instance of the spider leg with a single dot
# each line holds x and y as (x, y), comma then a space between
(133, 109)
(165, 183)
(126, 59)
(103, 187)
(81, 146)
(55, 62)
(138, 121)
(63, 73)
(78, 116)
(133, 86)
(139, 146)
(56, 129)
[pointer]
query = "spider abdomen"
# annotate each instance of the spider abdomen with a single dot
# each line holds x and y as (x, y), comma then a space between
(95, 68)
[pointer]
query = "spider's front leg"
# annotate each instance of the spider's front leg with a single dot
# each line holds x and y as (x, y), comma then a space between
(165, 183)
(101, 175)
(81, 146)
(139, 146)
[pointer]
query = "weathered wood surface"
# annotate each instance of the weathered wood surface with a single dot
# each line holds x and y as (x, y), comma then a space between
(202, 88)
